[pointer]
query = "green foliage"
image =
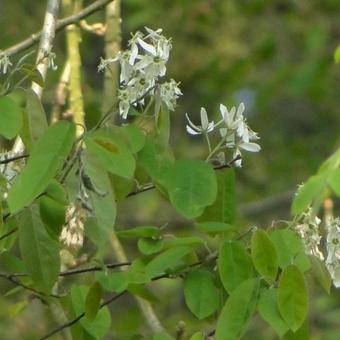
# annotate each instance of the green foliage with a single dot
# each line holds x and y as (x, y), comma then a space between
(200, 292)
(264, 255)
(292, 297)
(191, 185)
(47, 157)
(10, 117)
(40, 252)
(237, 311)
(234, 265)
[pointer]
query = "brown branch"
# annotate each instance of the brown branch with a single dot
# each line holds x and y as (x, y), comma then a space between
(10, 278)
(61, 24)
(12, 159)
(80, 316)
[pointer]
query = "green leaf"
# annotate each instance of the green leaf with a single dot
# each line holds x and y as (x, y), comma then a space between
(334, 181)
(288, 245)
(264, 254)
(198, 336)
(166, 260)
(191, 185)
(10, 117)
(98, 327)
(150, 246)
(39, 251)
(47, 157)
(292, 297)
(34, 122)
(142, 231)
(92, 301)
(152, 161)
(224, 207)
(101, 226)
(53, 208)
(113, 282)
(337, 55)
(161, 336)
(269, 311)
(214, 227)
(192, 241)
(142, 291)
(163, 129)
(33, 74)
(321, 273)
(237, 311)
(110, 152)
(234, 265)
(201, 295)
(135, 137)
(313, 188)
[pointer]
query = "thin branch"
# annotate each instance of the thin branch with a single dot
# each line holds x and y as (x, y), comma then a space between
(10, 278)
(210, 257)
(8, 233)
(13, 159)
(148, 187)
(80, 316)
(61, 24)
(83, 270)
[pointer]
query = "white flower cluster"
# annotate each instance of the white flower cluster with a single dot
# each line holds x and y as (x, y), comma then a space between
(72, 234)
(5, 63)
(333, 249)
(233, 128)
(141, 67)
(308, 230)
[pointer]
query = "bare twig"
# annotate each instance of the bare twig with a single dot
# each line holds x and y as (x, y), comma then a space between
(61, 24)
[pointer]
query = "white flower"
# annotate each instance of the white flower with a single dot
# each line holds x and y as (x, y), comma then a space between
(205, 127)
(169, 93)
(232, 118)
(5, 63)
(309, 232)
(51, 56)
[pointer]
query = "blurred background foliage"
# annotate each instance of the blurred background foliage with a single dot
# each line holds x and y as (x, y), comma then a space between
(274, 55)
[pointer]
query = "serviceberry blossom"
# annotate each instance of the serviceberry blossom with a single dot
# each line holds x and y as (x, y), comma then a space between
(309, 232)
(5, 63)
(141, 68)
(333, 249)
(234, 132)
(205, 126)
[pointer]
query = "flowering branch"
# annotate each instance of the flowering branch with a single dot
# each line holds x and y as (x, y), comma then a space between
(61, 24)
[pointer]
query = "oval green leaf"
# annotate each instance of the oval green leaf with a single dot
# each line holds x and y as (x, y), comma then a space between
(47, 157)
(234, 265)
(10, 117)
(264, 254)
(292, 297)
(201, 295)
(237, 311)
